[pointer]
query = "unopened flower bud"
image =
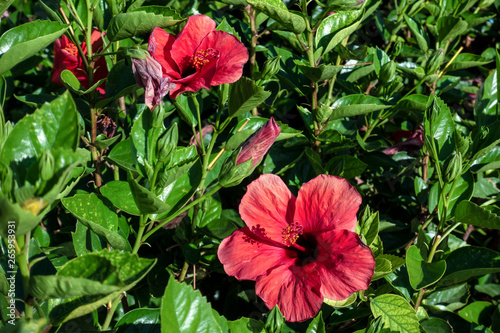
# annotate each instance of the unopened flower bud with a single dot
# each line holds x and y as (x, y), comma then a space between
(271, 68)
(250, 153)
(452, 168)
(5, 178)
(46, 165)
(167, 143)
(148, 74)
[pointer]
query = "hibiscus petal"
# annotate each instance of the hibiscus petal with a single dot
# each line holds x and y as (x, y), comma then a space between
(344, 263)
(159, 46)
(327, 202)
(233, 55)
(189, 39)
(295, 289)
(196, 81)
(268, 206)
(246, 256)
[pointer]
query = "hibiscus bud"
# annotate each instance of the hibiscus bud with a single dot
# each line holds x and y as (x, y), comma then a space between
(148, 75)
(257, 145)
(5, 178)
(434, 61)
(46, 165)
(271, 67)
(452, 168)
(250, 153)
(167, 143)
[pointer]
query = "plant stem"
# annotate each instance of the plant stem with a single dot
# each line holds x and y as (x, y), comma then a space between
(111, 312)
(184, 270)
(22, 255)
(140, 232)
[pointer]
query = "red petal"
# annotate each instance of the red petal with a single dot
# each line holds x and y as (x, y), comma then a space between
(344, 263)
(189, 39)
(295, 289)
(268, 206)
(233, 55)
(196, 81)
(246, 256)
(159, 46)
(327, 202)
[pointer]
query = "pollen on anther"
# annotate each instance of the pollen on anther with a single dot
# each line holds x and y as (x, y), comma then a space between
(291, 233)
(202, 57)
(71, 48)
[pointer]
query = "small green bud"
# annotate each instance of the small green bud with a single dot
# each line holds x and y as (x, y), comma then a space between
(5, 178)
(167, 143)
(46, 165)
(323, 113)
(233, 174)
(452, 168)
(271, 68)
(462, 143)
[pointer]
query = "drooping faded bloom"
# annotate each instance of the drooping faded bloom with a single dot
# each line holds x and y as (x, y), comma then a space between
(257, 145)
(148, 75)
(66, 56)
(198, 57)
(414, 141)
(302, 249)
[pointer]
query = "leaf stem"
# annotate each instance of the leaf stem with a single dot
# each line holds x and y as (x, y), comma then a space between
(111, 312)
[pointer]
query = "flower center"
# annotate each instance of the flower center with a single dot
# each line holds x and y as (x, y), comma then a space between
(291, 233)
(72, 50)
(202, 57)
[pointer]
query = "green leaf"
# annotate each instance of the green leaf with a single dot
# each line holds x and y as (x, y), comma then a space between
(24, 41)
(486, 106)
(146, 201)
(368, 226)
(245, 325)
(470, 213)
(126, 25)
(422, 274)
(449, 299)
(477, 312)
(432, 325)
(92, 211)
(335, 28)
(317, 325)
(220, 228)
(416, 102)
(382, 268)
(85, 240)
(346, 166)
(397, 314)
(54, 125)
(278, 11)
(112, 268)
(120, 195)
(72, 83)
(184, 309)
(343, 303)
(123, 154)
(355, 105)
(120, 82)
(321, 73)
(439, 126)
(244, 96)
(25, 221)
(418, 32)
(143, 320)
(274, 321)
(486, 138)
(467, 60)
(468, 262)
(449, 27)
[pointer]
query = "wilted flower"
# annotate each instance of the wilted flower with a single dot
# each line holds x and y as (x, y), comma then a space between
(414, 141)
(302, 249)
(198, 57)
(148, 75)
(66, 57)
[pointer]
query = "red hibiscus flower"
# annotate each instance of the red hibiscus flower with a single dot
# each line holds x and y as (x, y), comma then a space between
(66, 56)
(198, 57)
(299, 250)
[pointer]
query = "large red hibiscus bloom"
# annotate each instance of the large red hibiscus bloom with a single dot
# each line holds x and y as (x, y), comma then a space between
(66, 57)
(299, 250)
(198, 57)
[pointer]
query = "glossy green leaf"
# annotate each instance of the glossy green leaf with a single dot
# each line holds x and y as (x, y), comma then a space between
(244, 96)
(122, 155)
(487, 138)
(339, 304)
(54, 125)
(317, 325)
(486, 106)
(477, 312)
(143, 320)
(439, 125)
(334, 29)
(416, 103)
(432, 325)
(246, 325)
(184, 309)
(470, 213)
(146, 201)
(24, 41)
(126, 25)
(94, 212)
(368, 226)
(468, 262)
(274, 321)
(85, 240)
(418, 32)
(278, 11)
(120, 195)
(449, 27)
(355, 105)
(321, 73)
(422, 274)
(382, 268)
(397, 314)
(467, 60)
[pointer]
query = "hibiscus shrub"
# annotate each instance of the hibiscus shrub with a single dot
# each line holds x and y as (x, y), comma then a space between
(249, 166)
